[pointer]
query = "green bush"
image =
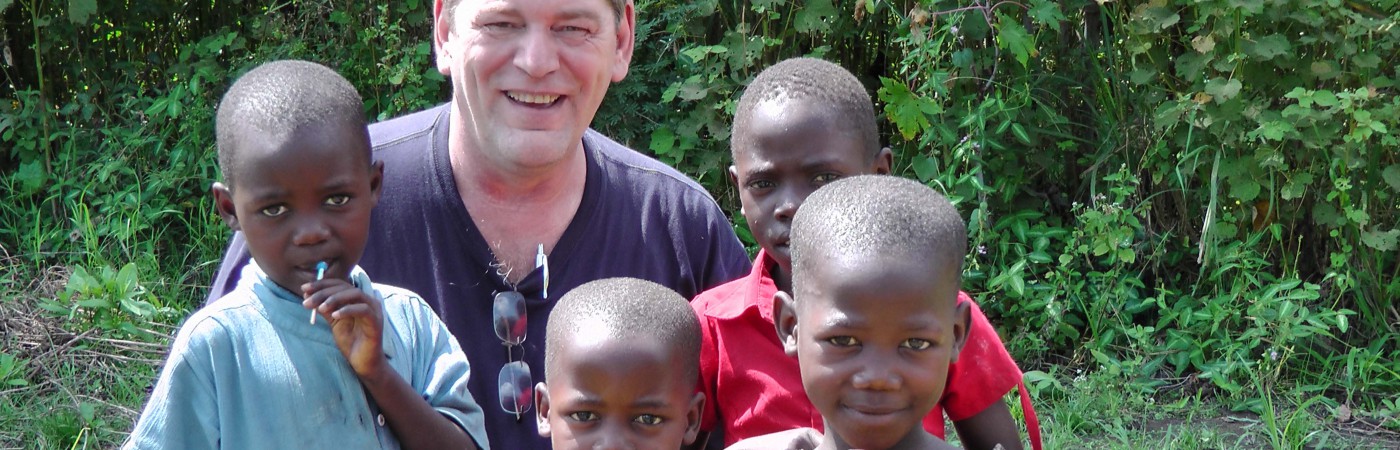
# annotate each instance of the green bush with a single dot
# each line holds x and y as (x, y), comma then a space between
(1168, 188)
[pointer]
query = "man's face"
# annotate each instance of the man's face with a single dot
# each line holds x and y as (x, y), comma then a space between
(610, 393)
(793, 147)
(874, 338)
(528, 75)
(302, 199)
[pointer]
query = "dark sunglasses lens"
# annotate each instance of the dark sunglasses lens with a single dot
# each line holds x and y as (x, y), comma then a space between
(516, 387)
(508, 317)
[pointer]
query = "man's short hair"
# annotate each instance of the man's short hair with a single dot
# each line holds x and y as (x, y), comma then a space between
(810, 80)
(278, 98)
(626, 309)
(617, 6)
(877, 215)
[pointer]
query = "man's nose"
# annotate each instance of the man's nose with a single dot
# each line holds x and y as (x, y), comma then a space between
(538, 54)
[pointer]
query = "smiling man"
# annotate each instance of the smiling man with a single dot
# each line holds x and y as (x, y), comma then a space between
(496, 204)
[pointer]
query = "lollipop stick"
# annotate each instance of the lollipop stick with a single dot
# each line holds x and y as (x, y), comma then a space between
(320, 273)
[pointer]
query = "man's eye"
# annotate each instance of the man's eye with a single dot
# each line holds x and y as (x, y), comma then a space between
(826, 178)
(649, 419)
(916, 344)
(583, 416)
(337, 200)
(273, 211)
(843, 341)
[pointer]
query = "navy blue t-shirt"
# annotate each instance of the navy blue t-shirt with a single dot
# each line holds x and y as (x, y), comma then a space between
(638, 218)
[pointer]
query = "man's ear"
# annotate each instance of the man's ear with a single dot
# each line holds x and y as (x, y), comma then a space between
(785, 318)
(626, 41)
(883, 161)
(376, 181)
(442, 32)
(223, 202)
(962, 319)
(692, 417)
(542, 409)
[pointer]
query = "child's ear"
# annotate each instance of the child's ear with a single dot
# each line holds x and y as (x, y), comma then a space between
(883, 161)
(962, 319)
(223, 202)
(542, 410)
(734, 176)
(785, 318)
(376, 180)
(692, 417)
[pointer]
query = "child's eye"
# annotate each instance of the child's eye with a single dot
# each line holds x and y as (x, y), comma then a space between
(761, 184)
(916, 344)
(337, 200)
(826, 178)
(583, 416)
(274, 210)
(648, 419)
(843, 341)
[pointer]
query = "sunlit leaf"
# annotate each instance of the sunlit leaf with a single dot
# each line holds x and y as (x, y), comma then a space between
(1013, 37)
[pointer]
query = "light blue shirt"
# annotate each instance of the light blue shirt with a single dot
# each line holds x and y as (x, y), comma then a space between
(249, 372)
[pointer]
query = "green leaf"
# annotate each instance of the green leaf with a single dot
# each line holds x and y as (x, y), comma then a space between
(138, 308)
(1359, 216)
(1020, 133)
(1046, 12)
(1325, 98)
(662, 140)
(1364, 61)
(1326, 214)
(1157, 18)
(79, 11)
(1269, 47)
(1191, 66)
(1296, 186)
(1391, 175)
(961, 58)
(1222, 89)
(1014, 38)
(1385, 241)
(32, 176)
(1244, 189)
(925, 168)
(903, 107)
(816, 16)
(5, 4)
(693, 89)
(1142, 76)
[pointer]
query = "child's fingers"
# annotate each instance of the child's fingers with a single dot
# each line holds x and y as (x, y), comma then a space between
(354, 310)
(319, 292)
(341, 299)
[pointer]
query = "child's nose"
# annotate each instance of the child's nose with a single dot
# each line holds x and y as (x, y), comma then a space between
(311, 231)
(876, 372)
(788, 202)
(613, 439)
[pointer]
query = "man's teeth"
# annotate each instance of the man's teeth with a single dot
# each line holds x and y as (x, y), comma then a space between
(539, 99)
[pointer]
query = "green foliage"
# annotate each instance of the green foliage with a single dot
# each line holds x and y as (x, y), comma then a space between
(1157, 191)
(111, 300)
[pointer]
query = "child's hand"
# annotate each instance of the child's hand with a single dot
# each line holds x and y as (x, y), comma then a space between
(357, 322)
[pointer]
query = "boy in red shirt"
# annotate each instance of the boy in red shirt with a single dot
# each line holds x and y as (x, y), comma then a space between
(800, 124)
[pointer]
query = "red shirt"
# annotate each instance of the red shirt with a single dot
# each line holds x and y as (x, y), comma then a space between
(754, 388)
